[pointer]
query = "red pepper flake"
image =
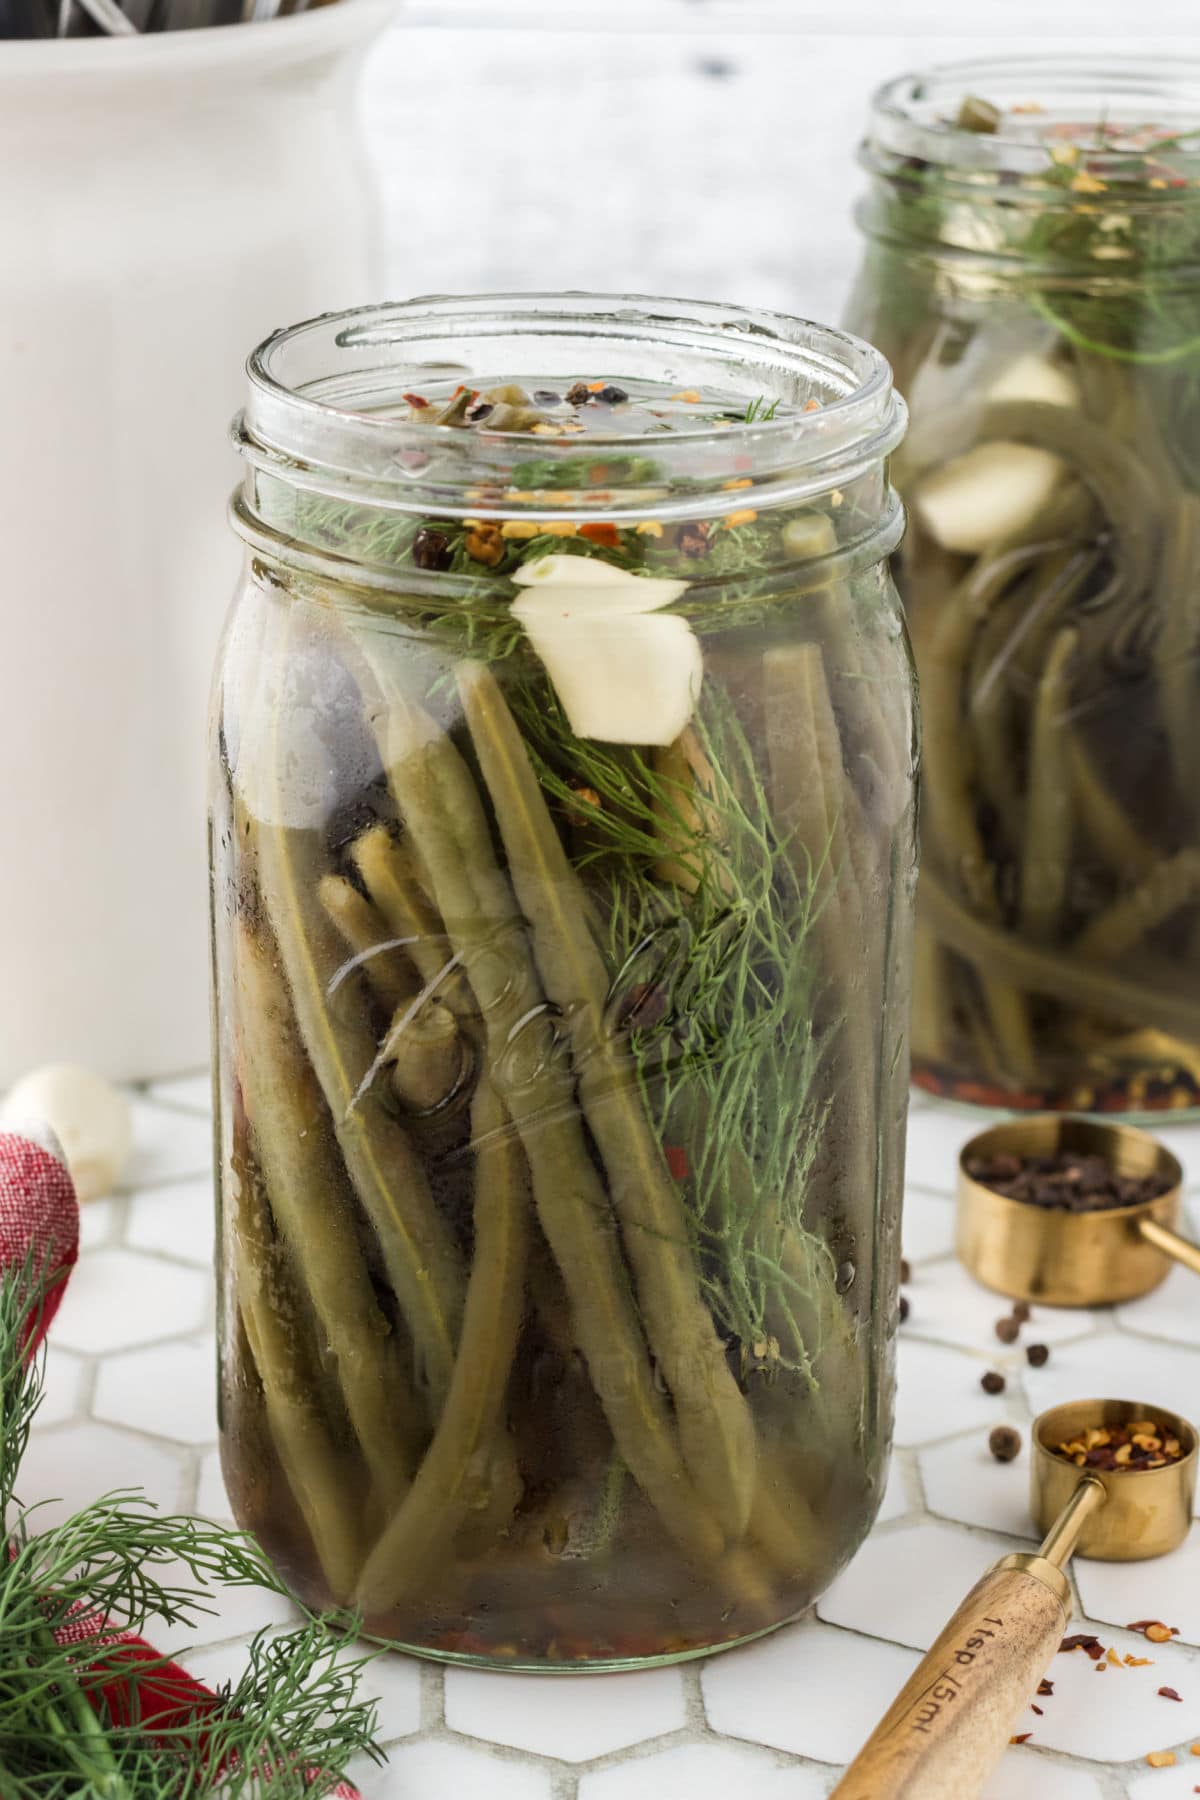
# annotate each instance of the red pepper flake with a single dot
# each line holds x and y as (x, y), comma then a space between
(602, 533)
(1167, 1693)
(1045, 1687)
(415, 399)
(1037, 1709)
(677, 1161)
(1155, 1630)
(1083, 1640)
(1022, 1737)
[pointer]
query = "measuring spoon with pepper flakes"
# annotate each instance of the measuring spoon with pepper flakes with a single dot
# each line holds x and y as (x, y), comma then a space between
(1050, 1239)
(949, 1725)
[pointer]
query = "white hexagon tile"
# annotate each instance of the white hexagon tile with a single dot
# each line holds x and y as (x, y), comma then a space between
(130, 1400)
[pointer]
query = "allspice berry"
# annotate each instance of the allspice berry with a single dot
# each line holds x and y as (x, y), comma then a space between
(1008, 1330)
(1004, 1442)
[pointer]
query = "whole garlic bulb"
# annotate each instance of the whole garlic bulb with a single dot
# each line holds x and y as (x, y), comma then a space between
(89, 1117)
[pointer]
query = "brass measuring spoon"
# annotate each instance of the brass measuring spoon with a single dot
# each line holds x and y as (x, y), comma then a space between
(947, 1728)
(1065, 1258)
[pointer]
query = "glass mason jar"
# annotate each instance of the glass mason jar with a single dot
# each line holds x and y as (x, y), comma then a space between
(563, 857)
(1033, 275)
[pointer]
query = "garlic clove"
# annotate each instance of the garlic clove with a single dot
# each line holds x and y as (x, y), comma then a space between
(986, 494)
(996, 489)
(629, 680)
(89, 1117)
(1030, 377)
(597, 584)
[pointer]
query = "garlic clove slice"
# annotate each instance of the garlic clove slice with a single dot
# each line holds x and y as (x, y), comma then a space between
(629, 680)
(986, 494)
(996, 489)
(597, 583)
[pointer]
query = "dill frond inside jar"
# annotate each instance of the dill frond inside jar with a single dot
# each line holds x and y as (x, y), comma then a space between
(563, 861)
(1033, 274)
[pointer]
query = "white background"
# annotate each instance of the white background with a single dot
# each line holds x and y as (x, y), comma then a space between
(695, 147)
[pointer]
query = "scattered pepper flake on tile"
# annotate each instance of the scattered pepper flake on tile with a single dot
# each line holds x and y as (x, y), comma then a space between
(1085, 1641)
(1045, 1687)
(1113, 1657)
(1037, 1709)
(1155, 1630)
(1166, 1693)
(690, 395)
(1161, 1759)
(1022, 1737)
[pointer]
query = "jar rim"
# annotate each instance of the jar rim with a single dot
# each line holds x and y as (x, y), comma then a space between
(1044, 102)
(316, 412)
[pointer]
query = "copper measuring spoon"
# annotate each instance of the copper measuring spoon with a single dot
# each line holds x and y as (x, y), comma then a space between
(947, 1728)
(1065, 1258)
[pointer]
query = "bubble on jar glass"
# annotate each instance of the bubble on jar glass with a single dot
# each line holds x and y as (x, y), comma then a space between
(844, 1279)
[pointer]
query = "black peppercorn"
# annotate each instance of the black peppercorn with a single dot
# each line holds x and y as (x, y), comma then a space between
(1004, 1443)
(1037, 1355)
(431, 549)
(1008, 1330)
(905, 1271)
(611, 395)
(1020, 1310)
(903, 1308)
(993, 1382)
(693, 540)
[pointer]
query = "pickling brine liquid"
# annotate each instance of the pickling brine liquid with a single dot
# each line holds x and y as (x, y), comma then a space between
(561, 886)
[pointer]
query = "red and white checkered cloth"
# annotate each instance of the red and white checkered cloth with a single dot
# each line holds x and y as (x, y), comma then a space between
(39, 1229)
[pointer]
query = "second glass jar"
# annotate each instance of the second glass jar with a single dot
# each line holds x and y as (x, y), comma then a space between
(1033, 274)
(563, 860)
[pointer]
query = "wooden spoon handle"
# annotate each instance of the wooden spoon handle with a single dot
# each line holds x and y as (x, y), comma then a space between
(947, 1728)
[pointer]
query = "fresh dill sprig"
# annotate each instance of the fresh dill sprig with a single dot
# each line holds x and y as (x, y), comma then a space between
(759, 411)
(110, 1722)
(716, 988)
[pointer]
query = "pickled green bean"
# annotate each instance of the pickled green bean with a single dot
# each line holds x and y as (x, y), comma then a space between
(1106, 826)
(715, 1426)
(1060, 974)
(438, 799)
(389, 875)
(304, 1180)
(1173, 883)
(1046, 851)
(320, 1476)
(455, 1471)
(365, 934)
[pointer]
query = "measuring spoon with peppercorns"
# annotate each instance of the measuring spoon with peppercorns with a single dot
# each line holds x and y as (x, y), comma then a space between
(1070, 1211)
(1111, 1479)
